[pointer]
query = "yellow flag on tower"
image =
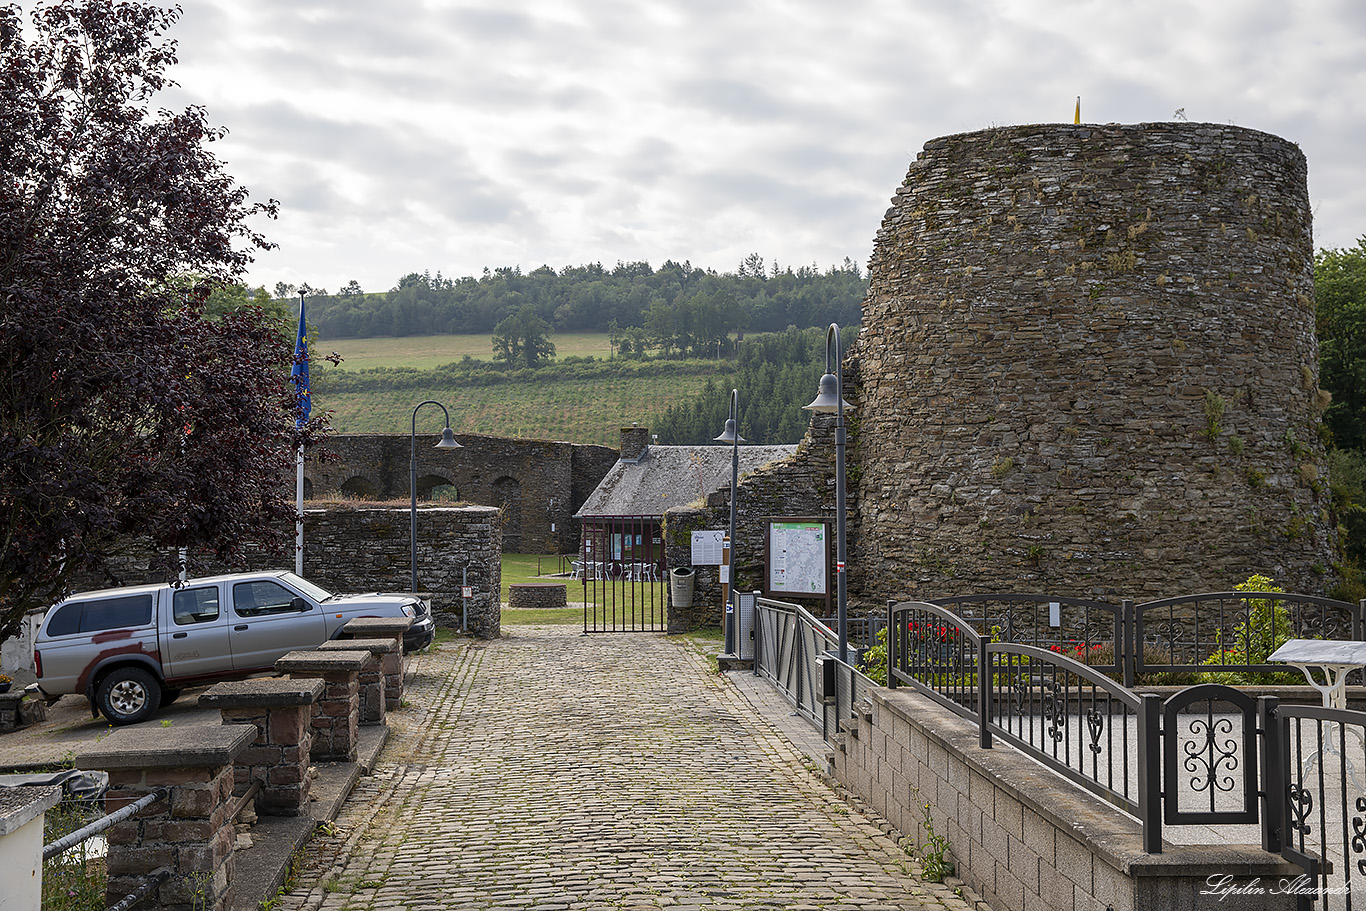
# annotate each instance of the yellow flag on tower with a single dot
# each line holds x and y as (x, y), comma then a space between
(1077, 117)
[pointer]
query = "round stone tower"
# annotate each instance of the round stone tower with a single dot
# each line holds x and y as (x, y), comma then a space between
(1088, 366)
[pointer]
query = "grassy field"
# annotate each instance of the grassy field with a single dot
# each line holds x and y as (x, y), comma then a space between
(559, 410)
(425, 352)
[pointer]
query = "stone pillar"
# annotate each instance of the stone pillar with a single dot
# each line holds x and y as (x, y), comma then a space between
(187, 833)
(18, 710)
(282, 711)
(383, 628)
(21, 844)
(336, 716)
(374, 679)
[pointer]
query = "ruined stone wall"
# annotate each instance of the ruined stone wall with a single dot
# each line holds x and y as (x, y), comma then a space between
(367, 549)
(1088, 365)
(800, 486)
(539, 484)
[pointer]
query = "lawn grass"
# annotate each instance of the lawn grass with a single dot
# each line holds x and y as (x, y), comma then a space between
(426, 352)
(608, 599)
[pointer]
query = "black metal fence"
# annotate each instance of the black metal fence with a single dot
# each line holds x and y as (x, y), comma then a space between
(1208, 755)
(1215, 632)
(623, 575)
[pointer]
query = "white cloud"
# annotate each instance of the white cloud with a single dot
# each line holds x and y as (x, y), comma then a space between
(456, 134)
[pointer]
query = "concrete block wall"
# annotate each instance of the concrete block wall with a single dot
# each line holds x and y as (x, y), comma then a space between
(1022, 837)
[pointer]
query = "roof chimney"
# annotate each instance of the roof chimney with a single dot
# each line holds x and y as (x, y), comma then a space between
(635, 440)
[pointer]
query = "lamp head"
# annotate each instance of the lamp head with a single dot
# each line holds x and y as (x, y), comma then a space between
(729, 435)
(448, 440)
(828, 399)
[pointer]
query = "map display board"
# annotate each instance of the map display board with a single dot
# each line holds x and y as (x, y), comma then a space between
(798, 557)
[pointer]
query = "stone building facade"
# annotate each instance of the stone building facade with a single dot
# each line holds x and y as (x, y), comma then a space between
(539, 484)
(1088, 365)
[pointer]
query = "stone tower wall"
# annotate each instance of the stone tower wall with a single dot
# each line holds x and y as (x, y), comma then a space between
(1088, 365)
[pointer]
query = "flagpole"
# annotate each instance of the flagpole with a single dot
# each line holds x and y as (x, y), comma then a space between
(299, 375)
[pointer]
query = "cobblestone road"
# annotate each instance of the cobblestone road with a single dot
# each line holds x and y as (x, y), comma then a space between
(549, 770)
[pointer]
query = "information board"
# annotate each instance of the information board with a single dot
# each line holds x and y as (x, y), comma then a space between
(797, 558)
(706, 547)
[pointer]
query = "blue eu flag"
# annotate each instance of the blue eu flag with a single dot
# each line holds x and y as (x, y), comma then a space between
(299, 375)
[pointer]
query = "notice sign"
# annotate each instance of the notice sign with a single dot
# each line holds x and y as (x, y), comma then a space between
(706, 548)
(797, 558)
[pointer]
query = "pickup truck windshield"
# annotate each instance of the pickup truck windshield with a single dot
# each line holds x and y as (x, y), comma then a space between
(316, 592)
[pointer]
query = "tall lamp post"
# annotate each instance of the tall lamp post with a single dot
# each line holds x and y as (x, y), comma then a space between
(447, 442)
(732, 436)
(830, 399)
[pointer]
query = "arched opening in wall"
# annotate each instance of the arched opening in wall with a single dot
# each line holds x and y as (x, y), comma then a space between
(509, 493)
(436, 489)
(308, 489)
(358, 488)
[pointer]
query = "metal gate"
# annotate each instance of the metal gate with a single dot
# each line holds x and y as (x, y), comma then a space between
(623, 575)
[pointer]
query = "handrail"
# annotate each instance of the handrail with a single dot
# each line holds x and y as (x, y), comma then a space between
(104, 822)
(141, 892)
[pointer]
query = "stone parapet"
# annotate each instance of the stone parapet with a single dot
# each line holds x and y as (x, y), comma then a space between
(336, 715)
(282, 711)
(541, 595)
(377, 678)
(382, 628)
(185, 833)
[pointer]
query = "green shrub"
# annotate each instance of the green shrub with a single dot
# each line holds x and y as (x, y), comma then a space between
(874, 661)
(1266, 629)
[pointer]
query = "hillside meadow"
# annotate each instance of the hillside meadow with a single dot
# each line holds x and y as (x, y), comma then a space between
(382, 380)
(427, 352)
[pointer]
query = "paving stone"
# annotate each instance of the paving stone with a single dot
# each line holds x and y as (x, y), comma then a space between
(549, 770)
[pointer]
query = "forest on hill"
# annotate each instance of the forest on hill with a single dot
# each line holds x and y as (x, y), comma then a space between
(677, 310)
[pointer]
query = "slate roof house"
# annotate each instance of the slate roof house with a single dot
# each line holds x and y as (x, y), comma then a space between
(621, 521)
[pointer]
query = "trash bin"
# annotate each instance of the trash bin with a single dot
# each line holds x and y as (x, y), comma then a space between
(680, 586)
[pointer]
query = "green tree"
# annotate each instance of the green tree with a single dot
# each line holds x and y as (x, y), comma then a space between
(1340, 286)
(522, 340)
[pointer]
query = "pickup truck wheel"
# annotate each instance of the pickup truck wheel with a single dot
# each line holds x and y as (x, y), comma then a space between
(128, 695)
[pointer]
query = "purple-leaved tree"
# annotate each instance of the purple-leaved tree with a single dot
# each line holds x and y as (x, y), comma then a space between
(126, 413)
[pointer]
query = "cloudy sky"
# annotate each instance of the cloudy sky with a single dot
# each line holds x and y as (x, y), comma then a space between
(454, 135)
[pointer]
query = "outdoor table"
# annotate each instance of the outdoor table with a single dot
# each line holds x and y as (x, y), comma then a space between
(1333, 659)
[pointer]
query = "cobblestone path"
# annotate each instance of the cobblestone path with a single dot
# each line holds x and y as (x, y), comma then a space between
(549, 770)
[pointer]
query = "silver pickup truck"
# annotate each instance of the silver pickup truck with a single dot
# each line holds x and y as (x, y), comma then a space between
(131, 650)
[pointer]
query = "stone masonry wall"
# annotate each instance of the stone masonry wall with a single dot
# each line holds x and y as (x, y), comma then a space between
(539, 484)
(800, 486)
(1088, 365)
(360, 549)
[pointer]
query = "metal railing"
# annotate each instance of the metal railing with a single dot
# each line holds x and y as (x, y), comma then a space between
(1208, 755)
(1210, 632)
(1216, 631)
(1315, 760)
(789, 643)
(1073, 719)
(935, 650)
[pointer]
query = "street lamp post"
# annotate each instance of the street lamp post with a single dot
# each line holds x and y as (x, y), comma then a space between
(732, 436)
(830, 398)
(447, 442)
